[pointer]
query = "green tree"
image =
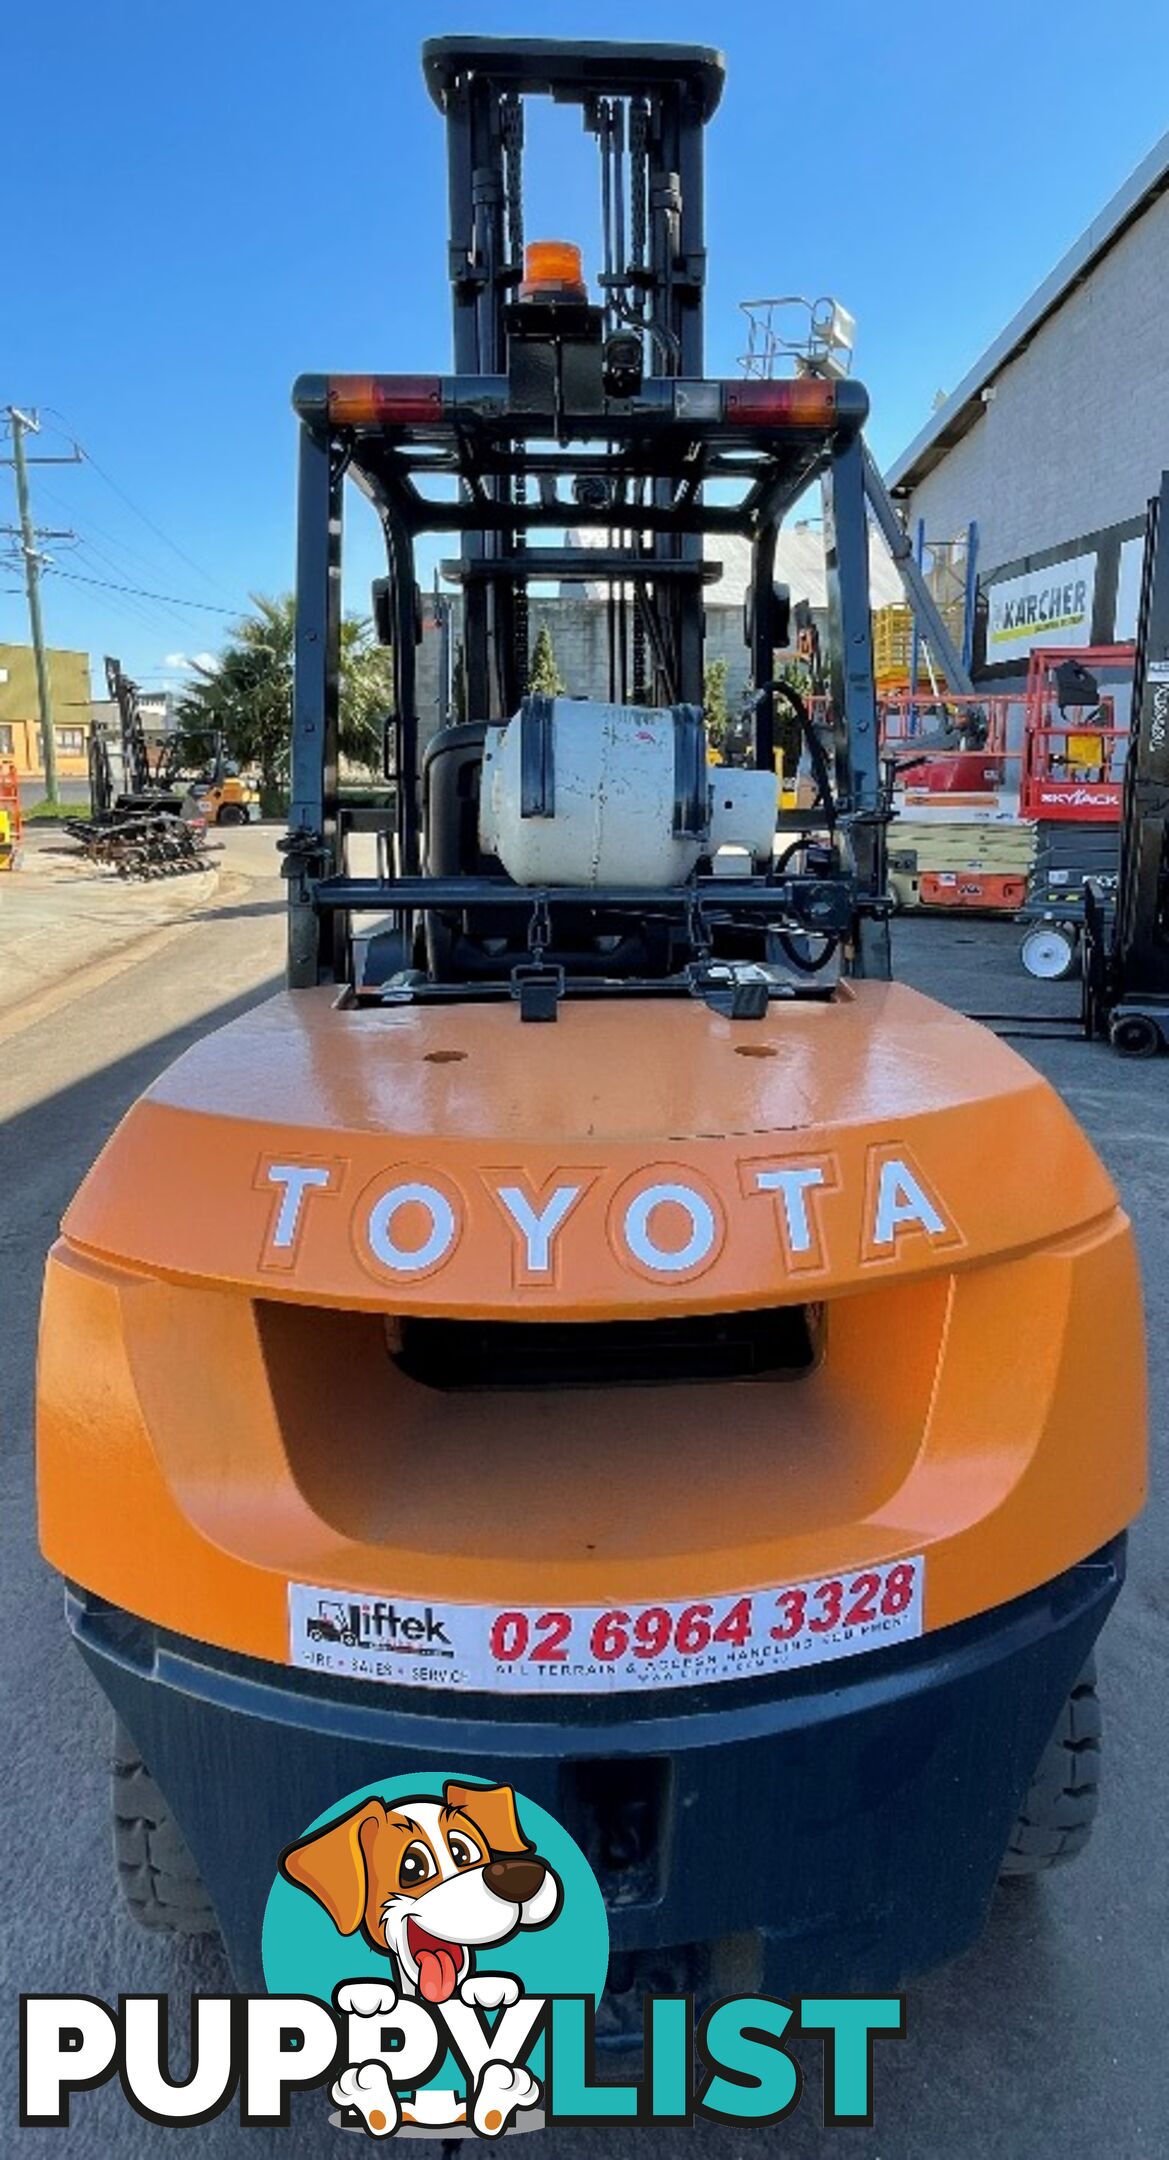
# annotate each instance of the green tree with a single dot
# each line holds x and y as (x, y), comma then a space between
(248, 693)
(714, 702)
(544, 676)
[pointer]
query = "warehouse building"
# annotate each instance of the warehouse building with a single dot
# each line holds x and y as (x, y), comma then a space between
(1055, 440)
(20, 732)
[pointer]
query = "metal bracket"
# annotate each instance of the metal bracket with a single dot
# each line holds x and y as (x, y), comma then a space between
(537, 989)
(537, 770)
(740, 990)
(306, 854)
(539, 928)
(691, 777)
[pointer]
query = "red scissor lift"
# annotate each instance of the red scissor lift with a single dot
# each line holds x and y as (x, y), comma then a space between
(1048, 760)
(959, 841)
(1074, 747)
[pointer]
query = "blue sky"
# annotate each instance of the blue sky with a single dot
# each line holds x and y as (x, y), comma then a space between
(205, 197)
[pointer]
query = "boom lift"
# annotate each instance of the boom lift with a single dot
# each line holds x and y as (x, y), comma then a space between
(610, 1280)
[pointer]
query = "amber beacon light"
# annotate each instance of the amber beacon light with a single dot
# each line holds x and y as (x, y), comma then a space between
(553, 271)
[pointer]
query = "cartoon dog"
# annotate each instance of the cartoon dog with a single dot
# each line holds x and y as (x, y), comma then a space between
(429, 1882)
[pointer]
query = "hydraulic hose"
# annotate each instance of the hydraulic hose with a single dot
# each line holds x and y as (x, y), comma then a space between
(825, 798)
(802, 963)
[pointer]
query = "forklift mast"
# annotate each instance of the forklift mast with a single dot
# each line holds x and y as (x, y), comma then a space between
(1141, 948)
(647, 111)
(136, 774)
(1126, 961)
(568, 418)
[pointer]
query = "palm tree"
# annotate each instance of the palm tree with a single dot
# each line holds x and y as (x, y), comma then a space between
(247, 693)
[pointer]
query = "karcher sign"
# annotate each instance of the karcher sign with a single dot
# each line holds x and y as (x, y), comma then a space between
(1042, 607)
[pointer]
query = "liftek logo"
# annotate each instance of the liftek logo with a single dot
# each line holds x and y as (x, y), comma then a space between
(435, 1951)
(372, 1623)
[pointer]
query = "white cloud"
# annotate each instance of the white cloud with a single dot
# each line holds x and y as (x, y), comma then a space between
(178, 663)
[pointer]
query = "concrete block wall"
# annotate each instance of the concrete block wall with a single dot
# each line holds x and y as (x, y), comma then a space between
(579, 631)
(1077, 433)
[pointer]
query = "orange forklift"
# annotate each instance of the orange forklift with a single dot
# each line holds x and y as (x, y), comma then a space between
(631, 1312)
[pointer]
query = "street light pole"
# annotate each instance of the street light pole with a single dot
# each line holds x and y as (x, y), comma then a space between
(32, 584)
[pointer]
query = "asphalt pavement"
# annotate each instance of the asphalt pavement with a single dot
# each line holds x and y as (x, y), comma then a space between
(1045, 2042)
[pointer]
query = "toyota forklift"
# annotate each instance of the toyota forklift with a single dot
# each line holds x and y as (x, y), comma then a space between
(709, 1373)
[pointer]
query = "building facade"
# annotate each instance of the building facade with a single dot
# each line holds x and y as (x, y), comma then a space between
(20, 729)
(1055, 441)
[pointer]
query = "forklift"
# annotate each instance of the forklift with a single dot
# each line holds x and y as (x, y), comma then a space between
(1126, 944)
(611, 1282)
(180, 773)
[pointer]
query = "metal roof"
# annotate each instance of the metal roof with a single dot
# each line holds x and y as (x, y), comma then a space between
(962, 408)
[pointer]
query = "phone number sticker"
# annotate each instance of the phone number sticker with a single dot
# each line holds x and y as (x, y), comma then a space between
(594, 1649)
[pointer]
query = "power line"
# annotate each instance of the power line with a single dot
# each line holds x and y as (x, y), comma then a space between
(207, 607)
(140, 513)
(160, 616)
(136, 563)
(160, 622)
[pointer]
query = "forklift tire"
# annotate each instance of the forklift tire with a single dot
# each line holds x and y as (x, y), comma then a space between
(159, 1880)
(1055, 1820)
(1050, 951)
(232, 813)
(1135, 1035)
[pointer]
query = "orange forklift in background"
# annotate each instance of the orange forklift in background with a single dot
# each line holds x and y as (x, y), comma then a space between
(638, 1359)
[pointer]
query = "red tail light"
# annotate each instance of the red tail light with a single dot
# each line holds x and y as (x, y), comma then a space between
(384, 400)
(798, 401)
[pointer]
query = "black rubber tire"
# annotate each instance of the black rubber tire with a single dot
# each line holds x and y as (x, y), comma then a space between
(231, 813)
(1135, 1035)
(1056, 1818)
(159, 1880)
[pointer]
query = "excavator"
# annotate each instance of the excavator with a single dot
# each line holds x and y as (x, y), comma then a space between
(649, 1356)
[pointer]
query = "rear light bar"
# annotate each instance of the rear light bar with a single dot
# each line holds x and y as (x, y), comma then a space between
(421, 401)
(384, 400)
(798, 401)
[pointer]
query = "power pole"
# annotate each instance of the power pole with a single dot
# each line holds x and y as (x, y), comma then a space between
(22, 422)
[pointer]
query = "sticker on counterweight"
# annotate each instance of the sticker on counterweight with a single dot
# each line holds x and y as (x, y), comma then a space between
(594, 1649)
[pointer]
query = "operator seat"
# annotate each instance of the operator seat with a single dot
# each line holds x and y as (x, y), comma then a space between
(452, 768)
